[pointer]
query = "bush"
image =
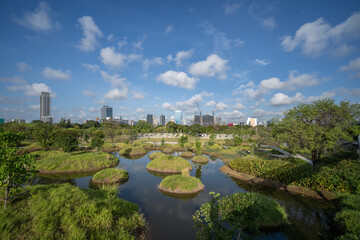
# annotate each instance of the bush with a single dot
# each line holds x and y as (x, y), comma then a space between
(216, 146)
(349, 216)
(67, 212)
(133, 151)
(110, 175)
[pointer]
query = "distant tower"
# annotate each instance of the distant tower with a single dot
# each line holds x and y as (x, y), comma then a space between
(45, 106)
(106, 112)
(149, 119)
(162, 120)
(178, 117)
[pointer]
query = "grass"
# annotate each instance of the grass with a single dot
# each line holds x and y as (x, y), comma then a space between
(168, 164)
(68, 212)
(167, 150)
(216, 147)
(349, 216)
(186, 154)
(200, 159)
(121, 145)
(181, 184)
(155, 155)
(133, 151)
(110, 175)
(83, 161)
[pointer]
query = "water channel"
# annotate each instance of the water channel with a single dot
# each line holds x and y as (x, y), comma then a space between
(170, 217)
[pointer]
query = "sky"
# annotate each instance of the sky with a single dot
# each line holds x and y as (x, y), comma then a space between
(239, 59)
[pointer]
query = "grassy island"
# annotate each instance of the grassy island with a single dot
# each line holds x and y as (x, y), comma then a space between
(179, 184)
(200, 159)
(186, 154)
(110, 175)
(168, 164)
(83, 161)
(133, 151)
(67, 212)
(155, 155)
(167, 150)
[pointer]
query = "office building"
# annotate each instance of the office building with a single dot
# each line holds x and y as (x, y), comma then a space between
(149, 119)
(155, 121)
(106, 112)
(162, 120)
(45, 106)
(251, 122)
(18, 120)
(178, 117)
(204, 120)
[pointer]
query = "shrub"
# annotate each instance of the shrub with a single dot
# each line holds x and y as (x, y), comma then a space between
(349, 216)
(133, 151)
(110, 175)
(186, 154)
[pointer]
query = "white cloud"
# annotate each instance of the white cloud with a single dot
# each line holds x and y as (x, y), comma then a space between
(34, 89)
(231, 8)
(91, 32)
(22, 67)
(268, 23)
(139, 44)
(220, 106)
(180, 56)
(140, 110)
(169, 29)
(318, 37)
(113, 59)
(283, 99)
(101, 101)
(92, 109)
(138, 95)
(238, 106)
(177, 79)
(123, 42)
(221, 41)
(14, 80)
(125, 108)
(261, 13)
(88, 93)
(234, 115)
(327, 94)
(110, 37)
(261, 62)
(39, 20)
(210, 103)
(34, 108)
(355, 92)
(168, 106)
(117, 94)
(157, 61)
(354, 65)
(82, 115)
(92, 67)
(50, 73)
(212, 66)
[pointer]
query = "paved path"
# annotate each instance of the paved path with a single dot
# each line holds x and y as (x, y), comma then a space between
(287, 154)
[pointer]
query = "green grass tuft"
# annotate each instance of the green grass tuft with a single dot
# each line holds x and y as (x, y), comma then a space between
(110, 175)
(181, 184)
(200, 159)
(168, 164)
(133, 151)
(186, 154)
(155, 155)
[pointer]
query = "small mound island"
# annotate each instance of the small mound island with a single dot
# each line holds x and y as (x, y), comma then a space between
(186, 154)
(200, 159)
(133, 151)
(110, 175)
(168, 164)
(167, 150)
(179, 184)
(155, 155)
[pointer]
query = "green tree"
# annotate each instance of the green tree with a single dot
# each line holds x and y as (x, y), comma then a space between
(68, 140)
(171, 127)
(109, 129)
(182, 140)
(143, 127)
(211, 140)
(45, 134)
(319, 125)
(15, 167)
(97, 139)
(162, 141)
(198, 147)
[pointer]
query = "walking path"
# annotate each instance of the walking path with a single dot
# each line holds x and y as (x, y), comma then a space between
(287, 154)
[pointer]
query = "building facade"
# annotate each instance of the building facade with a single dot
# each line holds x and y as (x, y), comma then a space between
(251, 122)
(149, 119)
(45, 106)
(204, 120)
(106, 112)
(162, 120)
(178, 117)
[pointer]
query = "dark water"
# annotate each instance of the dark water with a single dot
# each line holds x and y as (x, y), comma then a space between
(170, 217)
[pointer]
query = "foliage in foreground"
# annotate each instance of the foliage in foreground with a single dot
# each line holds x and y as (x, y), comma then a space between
(339, 175)
(238, 215)
(349, 216)
(77, 162)
(68, 212)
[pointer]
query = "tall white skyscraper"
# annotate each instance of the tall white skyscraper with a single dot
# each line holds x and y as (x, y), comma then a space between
(106, 112)
(178, 117)
(45, 107)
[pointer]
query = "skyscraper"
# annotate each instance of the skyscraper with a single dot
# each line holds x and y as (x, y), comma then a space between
(106, 112)
(178, 117)
(149, 119)
(45, 106)
(162, 120)
(204, 120)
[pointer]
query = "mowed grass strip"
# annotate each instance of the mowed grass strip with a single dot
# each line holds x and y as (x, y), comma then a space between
(83, 161)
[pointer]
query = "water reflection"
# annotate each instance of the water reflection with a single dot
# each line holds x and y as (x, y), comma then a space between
(170, 217)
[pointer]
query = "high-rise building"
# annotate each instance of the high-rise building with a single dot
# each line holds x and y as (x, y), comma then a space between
(149, 119)
(204, 120)
(162, 120)
(45, 106)
(106, 112)
(155, 121)
(178, 117)
(251, 122)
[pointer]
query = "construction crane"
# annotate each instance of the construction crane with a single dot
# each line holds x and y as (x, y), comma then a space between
(200, 112)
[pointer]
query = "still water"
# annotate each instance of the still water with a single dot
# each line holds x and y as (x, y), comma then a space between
(170, 217)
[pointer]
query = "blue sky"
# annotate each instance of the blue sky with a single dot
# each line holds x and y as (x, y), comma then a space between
(252, 58)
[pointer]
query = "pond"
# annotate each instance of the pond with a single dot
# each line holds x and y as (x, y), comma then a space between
(170, 217)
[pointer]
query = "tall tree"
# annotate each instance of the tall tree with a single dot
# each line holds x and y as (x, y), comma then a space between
(15, 168)
(68, 140)
(319, 125)
(45, 134)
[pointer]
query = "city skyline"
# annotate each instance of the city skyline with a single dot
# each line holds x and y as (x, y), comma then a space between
(243, 58)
